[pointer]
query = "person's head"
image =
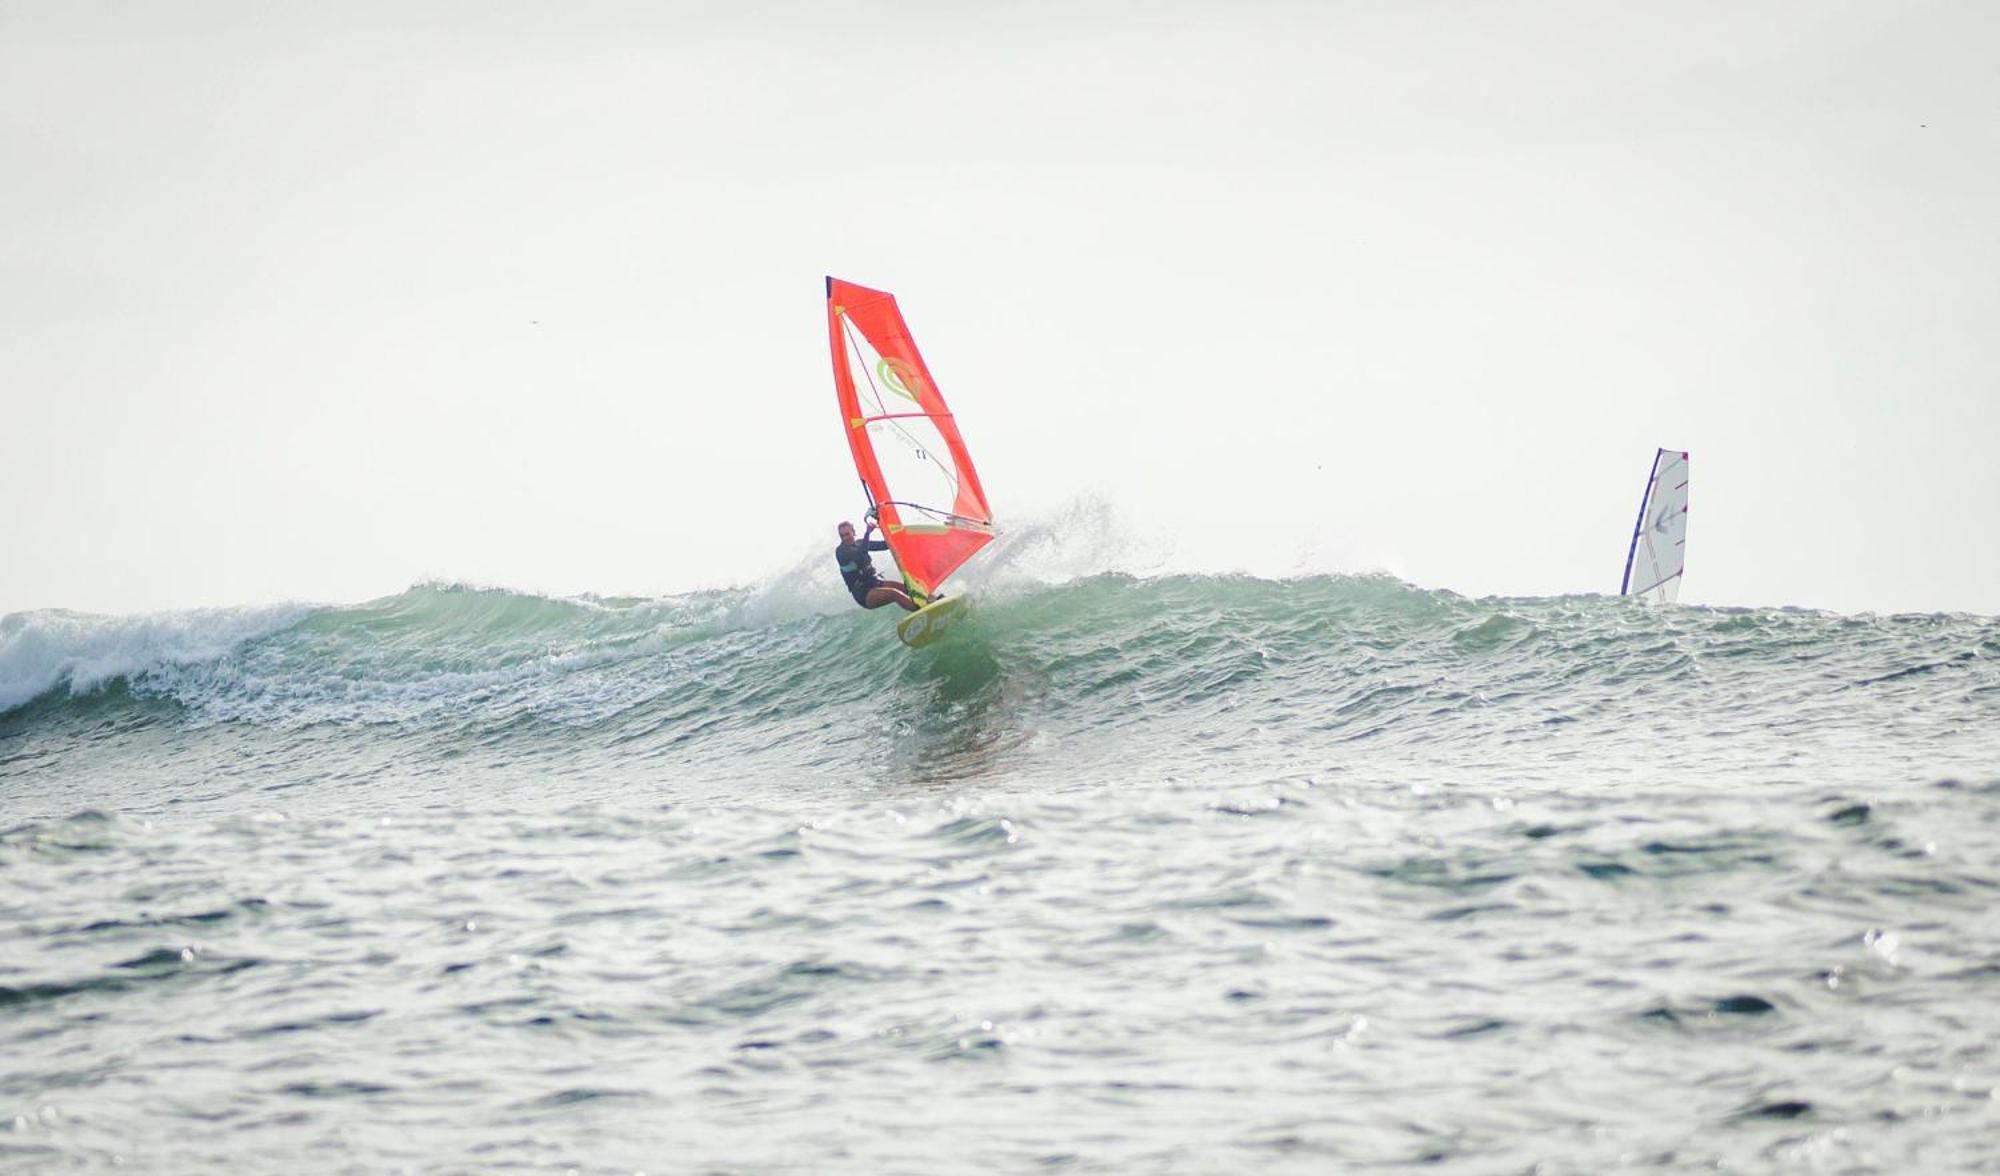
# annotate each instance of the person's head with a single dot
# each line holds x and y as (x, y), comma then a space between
(847, 532)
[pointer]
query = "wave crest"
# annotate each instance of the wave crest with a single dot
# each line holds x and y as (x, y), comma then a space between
(46, 650)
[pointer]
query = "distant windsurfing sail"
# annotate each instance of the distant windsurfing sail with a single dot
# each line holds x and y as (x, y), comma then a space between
(1659, 539)
(906, 446)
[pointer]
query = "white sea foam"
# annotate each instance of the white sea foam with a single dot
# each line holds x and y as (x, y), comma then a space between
(1089, 535)
(1083, 537)
(810, 587)
(49, 649)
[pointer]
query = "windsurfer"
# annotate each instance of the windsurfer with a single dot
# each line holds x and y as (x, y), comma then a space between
(864, 583)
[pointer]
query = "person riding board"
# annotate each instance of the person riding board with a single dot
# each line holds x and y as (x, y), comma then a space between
(864, 583)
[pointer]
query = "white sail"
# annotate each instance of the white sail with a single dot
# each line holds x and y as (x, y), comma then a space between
(1658, 554)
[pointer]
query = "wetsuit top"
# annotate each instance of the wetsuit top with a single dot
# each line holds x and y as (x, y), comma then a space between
(856, 567)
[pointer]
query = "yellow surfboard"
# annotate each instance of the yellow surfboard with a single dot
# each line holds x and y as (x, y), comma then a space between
(925, 625)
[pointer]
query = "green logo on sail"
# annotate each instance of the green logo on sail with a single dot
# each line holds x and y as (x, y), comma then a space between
(897, 377)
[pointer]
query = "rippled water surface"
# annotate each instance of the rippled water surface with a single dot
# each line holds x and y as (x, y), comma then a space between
(1175, 875)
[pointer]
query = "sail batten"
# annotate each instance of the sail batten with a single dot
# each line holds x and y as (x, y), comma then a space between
(906, 445)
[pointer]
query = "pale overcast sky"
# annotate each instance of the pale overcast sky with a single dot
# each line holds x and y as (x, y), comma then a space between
(314, 301)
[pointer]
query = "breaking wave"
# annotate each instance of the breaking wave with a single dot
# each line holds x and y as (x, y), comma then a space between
(1062, 676)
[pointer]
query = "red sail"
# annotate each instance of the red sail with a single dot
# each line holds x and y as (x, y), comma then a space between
(906, 445)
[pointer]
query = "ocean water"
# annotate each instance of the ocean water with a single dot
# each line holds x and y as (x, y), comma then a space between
(1171, 874)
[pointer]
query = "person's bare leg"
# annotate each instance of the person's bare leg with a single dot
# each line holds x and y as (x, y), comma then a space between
(884, 594)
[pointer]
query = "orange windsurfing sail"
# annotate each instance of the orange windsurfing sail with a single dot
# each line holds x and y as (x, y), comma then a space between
(906, 446)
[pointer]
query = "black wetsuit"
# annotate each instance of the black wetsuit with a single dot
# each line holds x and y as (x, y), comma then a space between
(858, 569)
